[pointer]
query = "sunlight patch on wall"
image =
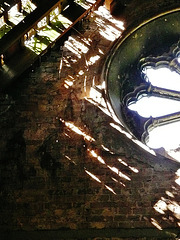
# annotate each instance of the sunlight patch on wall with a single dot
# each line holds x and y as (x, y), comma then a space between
(120, 129)
(175, 209)
(156, 224)
(119, 173)
(93, 59)
(93, 176)
(122, 162)
(164, 206)
(107, 149)
(76, 47)
(110, 189)
(35, 45)
(81, 72)
(15, 16)
(170, 194)
(101, 52)
(96, 97)
(67, 63)
(103, 12)
(61, 22)
(143, 146)
(68, 83)
(115, 180)
(178, 177)
(95, 155)
(113, 169)
(133, 169)
(41, 39)
(67, 157)
(160, 207)
(77, 130)
(108, 32)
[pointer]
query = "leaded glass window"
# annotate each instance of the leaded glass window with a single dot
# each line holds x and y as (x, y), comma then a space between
(157, 101)
(142, 74)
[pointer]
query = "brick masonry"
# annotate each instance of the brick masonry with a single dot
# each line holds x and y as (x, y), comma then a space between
(63, 162)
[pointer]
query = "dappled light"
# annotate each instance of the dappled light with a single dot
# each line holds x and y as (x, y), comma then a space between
(104, 166)
(167, 206)
(67, 157)
(112, 168)
(120, 174)
(60, 22)
(93, 59)
(94, 154)
(90, 144)
(93, 176)
(121, 129)
(77, 130)
(96, 97)
(15, 15)
(178, 177)
(108, 31)
(110, 189)
(135, 170)
(156, 224)
(98, 180)
(76, 47)
(128, 135)
(80, 165)
(68, 83)
(170, 194)
(101, 160)
(103, 12)
(106, 149)
(28, 6)
(164, 206)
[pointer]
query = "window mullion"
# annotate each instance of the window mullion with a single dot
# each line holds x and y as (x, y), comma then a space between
(166, 93)
(159, 121)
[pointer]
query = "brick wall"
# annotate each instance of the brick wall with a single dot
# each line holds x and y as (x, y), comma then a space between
(66, 166)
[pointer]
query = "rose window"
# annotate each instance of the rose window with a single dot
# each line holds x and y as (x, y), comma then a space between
(142, 74)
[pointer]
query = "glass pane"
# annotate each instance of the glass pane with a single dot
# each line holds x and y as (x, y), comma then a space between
(166, 136)
(163, 77)
(155, 106)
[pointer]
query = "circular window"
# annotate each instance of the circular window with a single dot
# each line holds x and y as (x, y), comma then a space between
(142, 74)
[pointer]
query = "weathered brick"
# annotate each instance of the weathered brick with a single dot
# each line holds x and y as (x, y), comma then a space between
(49, 179)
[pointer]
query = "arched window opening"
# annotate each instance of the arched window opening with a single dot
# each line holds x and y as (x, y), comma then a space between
(142, 74)
(161, 108)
